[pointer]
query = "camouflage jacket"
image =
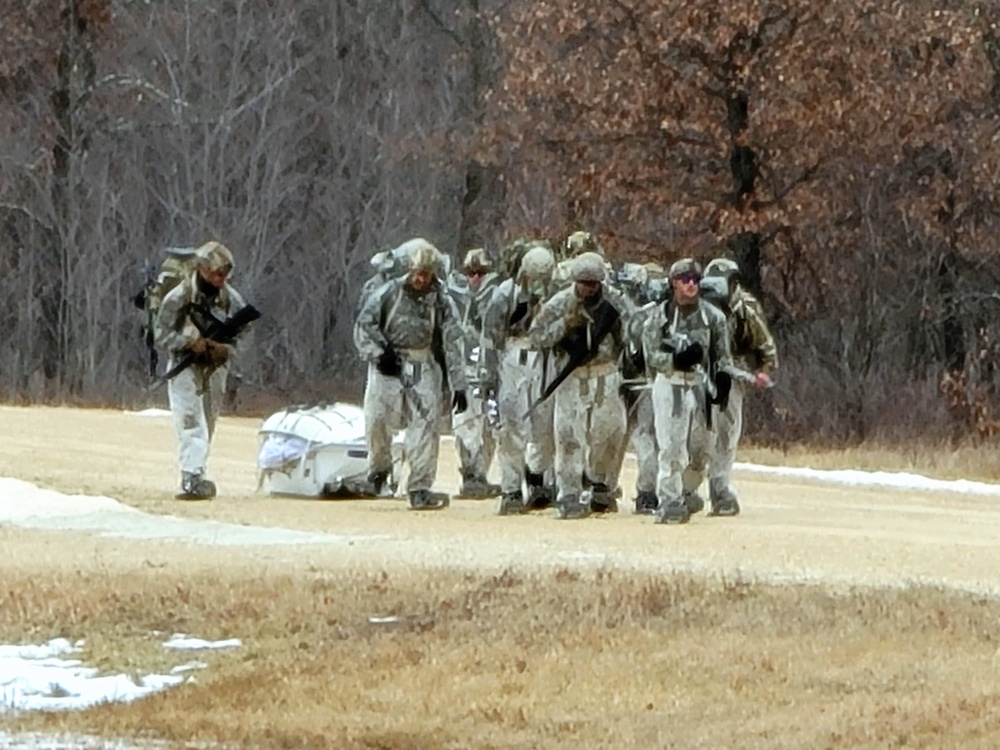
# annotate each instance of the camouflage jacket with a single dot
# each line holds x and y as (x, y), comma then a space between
(752, 344)
(566, 316)
(471, 307)
(507, 314)
(670, 327)
(393, 315)
(174, 330)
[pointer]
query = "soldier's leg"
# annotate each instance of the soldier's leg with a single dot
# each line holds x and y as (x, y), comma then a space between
(674, 406)
(514, 431)
(184, 392)
(422, 406)
(570, 419)
(729, 429)
(700, 440)
(606, 439)
(643, 441)
(383, 407)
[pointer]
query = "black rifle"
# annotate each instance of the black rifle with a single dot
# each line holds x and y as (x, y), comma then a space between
(605, 317)
(219, 331)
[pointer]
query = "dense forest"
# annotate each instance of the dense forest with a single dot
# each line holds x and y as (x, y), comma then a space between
(845, 153)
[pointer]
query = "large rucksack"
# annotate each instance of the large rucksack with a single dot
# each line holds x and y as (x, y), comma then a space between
(177, 265)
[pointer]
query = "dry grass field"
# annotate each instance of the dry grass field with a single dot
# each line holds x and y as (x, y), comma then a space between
(823, 617)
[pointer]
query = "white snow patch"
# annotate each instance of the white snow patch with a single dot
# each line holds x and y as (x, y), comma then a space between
(856, 478)
(42, 678)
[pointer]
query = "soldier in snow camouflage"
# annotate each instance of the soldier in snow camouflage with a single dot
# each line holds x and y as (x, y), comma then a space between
(408, 332)
(686, 343)
(584, 323)
(755, 357)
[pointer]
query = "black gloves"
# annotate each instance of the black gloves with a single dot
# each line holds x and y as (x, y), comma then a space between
(389, 363)
(459, 402)
(688, 358)
(723, 385)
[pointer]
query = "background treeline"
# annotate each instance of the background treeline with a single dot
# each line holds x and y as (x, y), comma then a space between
(845, 153)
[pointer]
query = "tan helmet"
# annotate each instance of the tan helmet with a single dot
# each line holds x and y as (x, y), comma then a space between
(423, 256)
(723, 267)
(538, 263)
(587, 267)
(684, 265)
(215, 257)
(582, 242)
(476, 260)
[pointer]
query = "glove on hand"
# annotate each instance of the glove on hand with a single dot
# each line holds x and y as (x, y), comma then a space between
(723, 385)
(218, 354)
(687, 359)
(459, 402)
(389, 363)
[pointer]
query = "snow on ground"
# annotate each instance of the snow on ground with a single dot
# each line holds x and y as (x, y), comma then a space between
(47, 678)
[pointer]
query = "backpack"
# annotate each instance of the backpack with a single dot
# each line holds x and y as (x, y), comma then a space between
(178, 264)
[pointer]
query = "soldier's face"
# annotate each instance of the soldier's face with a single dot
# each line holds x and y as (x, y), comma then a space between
(587, 289)
(215, 278)
(420, 280)
(685, 288)
(475, 279)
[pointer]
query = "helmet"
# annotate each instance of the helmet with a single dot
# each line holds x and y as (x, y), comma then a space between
(684, 265)
(587, 267)
(582, 242)
(476, 260)
(722, 267)
(421, 255)
(214, 257)
(538, 263)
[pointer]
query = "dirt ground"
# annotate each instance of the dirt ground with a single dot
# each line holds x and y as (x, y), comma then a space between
(789, 530)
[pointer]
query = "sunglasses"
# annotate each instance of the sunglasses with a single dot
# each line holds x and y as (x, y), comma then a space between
(475, 273)
(688, 278)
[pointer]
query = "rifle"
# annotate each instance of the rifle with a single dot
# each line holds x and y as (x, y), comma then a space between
(219, 331)
(605, 317)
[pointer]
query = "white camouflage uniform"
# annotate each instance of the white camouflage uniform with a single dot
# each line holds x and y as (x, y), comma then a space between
(474, 435)
(195, 393)
(589, 412)
(518, 372)
(680, 398)
(398, 316)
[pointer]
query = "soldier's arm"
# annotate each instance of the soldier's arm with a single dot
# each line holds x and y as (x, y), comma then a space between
(494, 336)
(550, 325)
(369, 339)
(453, 343)
(170, 329)
(657, 358)
(763, 341)
(721, 354)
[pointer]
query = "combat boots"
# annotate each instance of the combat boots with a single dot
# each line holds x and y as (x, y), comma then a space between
(539, 495)
(478, 488)
(602, 499)
(645, 503)
(693, 501)
(672, 512)
(724, 502)
(427, 500)
(512, 504)
(572, 506)
(195, 487)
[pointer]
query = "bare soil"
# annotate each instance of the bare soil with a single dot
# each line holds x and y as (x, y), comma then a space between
(822, 616)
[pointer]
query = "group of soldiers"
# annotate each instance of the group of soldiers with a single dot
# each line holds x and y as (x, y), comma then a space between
(555, 362)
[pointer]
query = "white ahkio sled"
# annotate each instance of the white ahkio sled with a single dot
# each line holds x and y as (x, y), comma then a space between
(320, 451)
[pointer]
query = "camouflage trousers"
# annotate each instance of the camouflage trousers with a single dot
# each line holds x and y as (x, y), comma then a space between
(729, 429)
(474, 439)
(195, 396)
(523, 439)
(412, 402)
(682, 435)
(642, 437)
(590, 429)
